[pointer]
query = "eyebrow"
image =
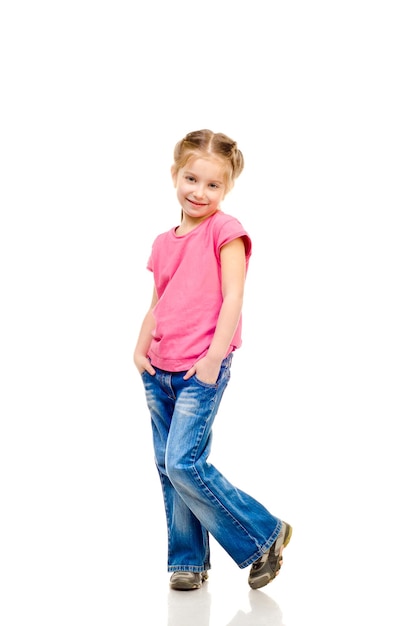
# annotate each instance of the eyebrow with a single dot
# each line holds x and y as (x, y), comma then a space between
(213, 180)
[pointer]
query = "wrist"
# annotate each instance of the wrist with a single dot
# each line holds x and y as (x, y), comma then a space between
(214, 358)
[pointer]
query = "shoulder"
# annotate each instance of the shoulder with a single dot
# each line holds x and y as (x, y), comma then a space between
(224, 218)
(162, 237)
(228, 222)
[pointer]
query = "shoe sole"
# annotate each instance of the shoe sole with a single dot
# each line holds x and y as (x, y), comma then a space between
(259, 584)
(287, 537)
(186, 586)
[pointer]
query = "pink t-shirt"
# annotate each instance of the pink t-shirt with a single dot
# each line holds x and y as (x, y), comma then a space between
(187, 277)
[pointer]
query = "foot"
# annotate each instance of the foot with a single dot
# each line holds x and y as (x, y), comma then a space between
(268, 566)
(187, 580)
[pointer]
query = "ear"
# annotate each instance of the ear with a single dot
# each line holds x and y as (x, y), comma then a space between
(173, 175)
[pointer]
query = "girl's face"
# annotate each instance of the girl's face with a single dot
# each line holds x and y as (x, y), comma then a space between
(200, 186)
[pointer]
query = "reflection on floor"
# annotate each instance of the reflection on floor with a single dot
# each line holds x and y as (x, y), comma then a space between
(194, 608)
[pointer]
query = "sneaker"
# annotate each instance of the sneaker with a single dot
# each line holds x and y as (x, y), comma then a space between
(187, 580)
(267, 567)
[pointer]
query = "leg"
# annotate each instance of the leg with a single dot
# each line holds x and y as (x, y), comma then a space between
(243, 526)
(188, 540)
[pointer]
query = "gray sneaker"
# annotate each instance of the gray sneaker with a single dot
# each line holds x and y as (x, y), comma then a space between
(267, 567)
(187, 580)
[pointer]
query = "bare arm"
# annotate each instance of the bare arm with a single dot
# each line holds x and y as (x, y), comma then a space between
(144, 339)
(233, 265)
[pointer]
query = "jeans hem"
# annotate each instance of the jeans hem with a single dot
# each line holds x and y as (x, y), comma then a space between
(188, 568)
(263, 548)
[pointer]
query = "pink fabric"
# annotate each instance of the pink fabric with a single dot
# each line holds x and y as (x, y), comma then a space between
(188, 282)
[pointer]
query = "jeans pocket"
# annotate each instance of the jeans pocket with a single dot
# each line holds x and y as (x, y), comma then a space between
(224, 374)
(203, 384)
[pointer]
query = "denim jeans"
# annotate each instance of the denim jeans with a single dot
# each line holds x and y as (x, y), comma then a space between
(198, 499)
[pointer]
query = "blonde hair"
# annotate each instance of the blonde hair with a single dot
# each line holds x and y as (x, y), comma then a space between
(202, 143)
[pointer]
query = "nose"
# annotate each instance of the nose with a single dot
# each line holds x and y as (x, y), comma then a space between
(198, 191)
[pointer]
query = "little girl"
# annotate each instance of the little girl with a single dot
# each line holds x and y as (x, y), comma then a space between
(184, 354)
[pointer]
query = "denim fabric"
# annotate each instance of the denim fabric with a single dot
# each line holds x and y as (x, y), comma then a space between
(198, 499)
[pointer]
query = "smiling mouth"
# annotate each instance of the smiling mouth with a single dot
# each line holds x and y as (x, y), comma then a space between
(196, 203)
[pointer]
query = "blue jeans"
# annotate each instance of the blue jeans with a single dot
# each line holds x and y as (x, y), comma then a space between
(198, 499)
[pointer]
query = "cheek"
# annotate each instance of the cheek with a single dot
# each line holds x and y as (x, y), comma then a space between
(181, 188)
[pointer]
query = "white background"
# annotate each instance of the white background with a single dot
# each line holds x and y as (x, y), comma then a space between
(317, 421)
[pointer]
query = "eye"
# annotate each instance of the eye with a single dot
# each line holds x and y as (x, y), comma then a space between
(214, 186)
(191, 179)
